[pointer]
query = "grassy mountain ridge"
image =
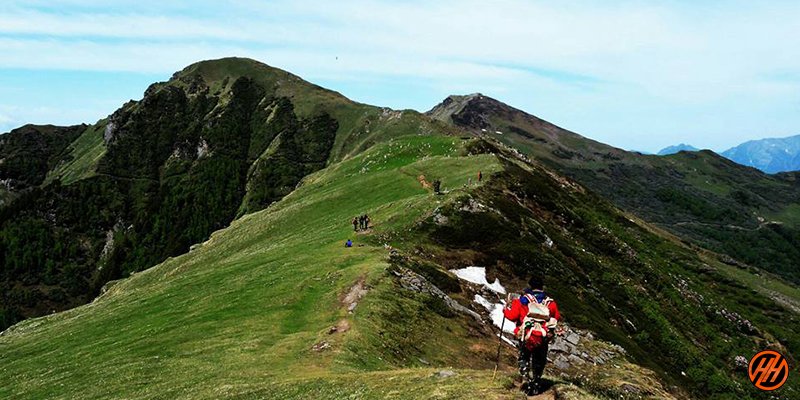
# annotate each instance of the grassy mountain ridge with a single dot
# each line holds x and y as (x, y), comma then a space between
(241, 315)
(701, 196)
(272, 305)
(253, 271)
(222, 138)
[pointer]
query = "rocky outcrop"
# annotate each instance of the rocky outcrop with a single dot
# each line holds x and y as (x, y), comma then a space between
(110, 132)
(414, 282)
(356, 292)
(576, 347)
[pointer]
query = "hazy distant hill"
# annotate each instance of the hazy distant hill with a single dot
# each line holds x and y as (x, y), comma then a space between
(769, 155)
(677, 149)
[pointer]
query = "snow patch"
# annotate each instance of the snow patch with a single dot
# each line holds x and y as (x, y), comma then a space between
(482, 301)
(509, 341)
(478, 275)
(495, 313)
(498, 317)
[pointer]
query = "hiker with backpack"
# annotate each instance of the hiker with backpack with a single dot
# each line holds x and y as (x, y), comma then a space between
(355, 224)
(536, 316)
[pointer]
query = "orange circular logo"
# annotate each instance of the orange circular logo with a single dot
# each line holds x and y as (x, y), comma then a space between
(768, 370)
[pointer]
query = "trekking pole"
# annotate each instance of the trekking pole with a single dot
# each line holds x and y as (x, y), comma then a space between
(499, 346)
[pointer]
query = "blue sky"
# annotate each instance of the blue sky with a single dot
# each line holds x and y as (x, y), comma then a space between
(635, 74)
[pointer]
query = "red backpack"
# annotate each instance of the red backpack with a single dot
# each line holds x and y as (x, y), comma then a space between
(535, 324)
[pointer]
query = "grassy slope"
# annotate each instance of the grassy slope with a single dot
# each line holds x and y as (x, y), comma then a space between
(237, 316)
(154, 131)
(240, 313)
(83, 155)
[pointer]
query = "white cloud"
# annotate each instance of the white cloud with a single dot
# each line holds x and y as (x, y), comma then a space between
(641, 62)
(658, 48)
(114, 26)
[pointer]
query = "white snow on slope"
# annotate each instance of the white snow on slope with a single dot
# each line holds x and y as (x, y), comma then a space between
(478, 275)
(496, 313)
(509, 341)
(488, 305)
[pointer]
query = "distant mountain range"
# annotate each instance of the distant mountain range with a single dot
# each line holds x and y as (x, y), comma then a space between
(768, 155)
(771, 155)
(677, 149)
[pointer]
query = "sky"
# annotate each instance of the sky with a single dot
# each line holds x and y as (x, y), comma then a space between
(638, 75)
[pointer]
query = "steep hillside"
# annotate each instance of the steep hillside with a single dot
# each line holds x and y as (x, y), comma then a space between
(769, 155)
(706, 199)
(220, 139)
(275, 306)
(82, 156)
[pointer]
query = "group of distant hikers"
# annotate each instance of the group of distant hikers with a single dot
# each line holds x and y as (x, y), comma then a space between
(361, 223)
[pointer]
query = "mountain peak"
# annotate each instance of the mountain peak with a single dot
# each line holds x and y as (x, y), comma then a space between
(483, 115)
(220, 73)
(677, 149)
(477, 111)
(218, 76)
(453, 105)
(226, 67)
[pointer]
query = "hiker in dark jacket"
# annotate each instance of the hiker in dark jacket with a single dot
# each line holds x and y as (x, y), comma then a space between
(536, 316)
(355, 224)
(437, 186)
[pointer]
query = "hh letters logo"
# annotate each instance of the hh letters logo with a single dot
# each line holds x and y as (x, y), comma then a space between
(768, 370)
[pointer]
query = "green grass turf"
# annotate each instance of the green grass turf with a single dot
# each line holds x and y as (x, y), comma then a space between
(84, 154)
(243, 310)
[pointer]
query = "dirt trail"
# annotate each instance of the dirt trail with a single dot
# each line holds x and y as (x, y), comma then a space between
(355, 294)
(548, 395)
